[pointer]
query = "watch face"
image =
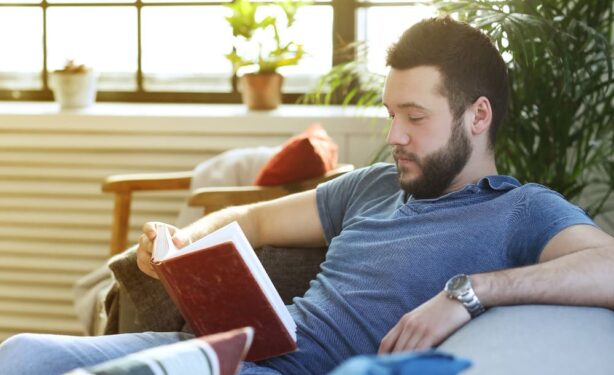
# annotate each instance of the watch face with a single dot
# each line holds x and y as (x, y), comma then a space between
(458, 283)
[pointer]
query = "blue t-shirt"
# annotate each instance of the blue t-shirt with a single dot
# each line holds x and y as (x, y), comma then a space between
(388, 254)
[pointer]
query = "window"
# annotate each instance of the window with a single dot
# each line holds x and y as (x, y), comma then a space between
(173, 50)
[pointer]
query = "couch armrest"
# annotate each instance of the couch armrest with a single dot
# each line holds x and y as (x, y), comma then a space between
(537, 339)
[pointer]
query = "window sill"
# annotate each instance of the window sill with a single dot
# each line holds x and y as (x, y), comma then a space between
(10, 108)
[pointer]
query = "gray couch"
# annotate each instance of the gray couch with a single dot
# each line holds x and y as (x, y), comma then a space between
(532, 339)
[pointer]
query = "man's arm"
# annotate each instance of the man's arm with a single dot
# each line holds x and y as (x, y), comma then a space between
(575, 268)
(292, 220)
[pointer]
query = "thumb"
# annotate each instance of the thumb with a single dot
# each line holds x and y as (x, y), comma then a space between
(181, 238)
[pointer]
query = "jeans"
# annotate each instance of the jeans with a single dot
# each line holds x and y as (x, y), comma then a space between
(42, 354)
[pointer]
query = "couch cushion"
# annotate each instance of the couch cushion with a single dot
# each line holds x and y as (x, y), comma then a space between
(307, 155)
(537, 339)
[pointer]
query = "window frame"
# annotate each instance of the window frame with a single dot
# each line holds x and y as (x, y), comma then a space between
(344, 31)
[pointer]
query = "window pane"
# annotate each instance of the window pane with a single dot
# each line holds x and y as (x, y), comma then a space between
(318, 44)
(382, 26)
(84, 34)
(184, 47)
(22, 53)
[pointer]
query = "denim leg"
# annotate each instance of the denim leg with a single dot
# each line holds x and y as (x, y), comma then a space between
(42, 354)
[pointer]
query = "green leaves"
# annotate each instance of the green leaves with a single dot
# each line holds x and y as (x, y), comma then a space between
(348, 83)
(252, 35)
(560, 125)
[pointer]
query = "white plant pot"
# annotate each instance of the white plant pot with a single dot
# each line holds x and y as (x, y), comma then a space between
(74, 90)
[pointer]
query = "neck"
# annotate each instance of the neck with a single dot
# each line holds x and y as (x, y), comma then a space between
(476, 169)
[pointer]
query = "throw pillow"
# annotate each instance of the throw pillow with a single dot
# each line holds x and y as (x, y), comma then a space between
(429, 362)
(219, 354)
(307, 155)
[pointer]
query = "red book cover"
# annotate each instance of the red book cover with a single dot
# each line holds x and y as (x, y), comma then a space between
(216, 290)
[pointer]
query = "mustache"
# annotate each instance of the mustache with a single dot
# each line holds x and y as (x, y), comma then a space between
(398, 153)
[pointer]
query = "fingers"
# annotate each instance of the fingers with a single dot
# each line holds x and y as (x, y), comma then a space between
(149, 230)
(145, 248)
(406, 335)
(143, 261)
(181, 238)
(390, 340)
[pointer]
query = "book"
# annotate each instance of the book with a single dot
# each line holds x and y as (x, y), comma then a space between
(219, 284)
(218, 354)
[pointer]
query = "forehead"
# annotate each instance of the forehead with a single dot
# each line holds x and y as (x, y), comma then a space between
(420, 85)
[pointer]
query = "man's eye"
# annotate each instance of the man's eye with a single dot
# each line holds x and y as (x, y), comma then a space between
(415, 119)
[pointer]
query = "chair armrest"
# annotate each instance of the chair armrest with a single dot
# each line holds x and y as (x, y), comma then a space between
(147, 181)
(122, 187)
(215, 198)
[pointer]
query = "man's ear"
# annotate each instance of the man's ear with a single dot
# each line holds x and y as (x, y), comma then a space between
(482, 115)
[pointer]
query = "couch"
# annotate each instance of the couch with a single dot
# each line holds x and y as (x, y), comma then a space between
(531, 339)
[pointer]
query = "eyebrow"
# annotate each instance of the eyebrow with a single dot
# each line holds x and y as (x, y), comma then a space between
(410, 105)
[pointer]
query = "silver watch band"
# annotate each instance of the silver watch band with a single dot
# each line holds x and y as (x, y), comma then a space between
(472, 303)
(459, 287)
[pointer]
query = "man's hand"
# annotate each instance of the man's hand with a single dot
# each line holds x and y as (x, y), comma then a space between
(143, 253)
(426, 326)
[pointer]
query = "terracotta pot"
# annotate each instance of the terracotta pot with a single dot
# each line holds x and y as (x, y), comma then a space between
(261, 91)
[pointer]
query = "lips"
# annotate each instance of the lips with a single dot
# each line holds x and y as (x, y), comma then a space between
(400, 156)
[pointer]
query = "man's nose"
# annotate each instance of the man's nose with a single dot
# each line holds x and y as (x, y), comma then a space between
(397, 134)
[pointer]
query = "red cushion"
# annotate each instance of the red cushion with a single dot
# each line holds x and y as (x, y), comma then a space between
(307, 155)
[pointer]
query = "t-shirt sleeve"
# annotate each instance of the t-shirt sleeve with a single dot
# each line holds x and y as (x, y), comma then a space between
(333, 198)
(543, 215)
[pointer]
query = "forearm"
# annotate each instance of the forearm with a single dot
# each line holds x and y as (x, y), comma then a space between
(581, 278)
(244, 215)
(288, 221)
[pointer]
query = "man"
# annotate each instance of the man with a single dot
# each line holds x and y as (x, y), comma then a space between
(395, 276)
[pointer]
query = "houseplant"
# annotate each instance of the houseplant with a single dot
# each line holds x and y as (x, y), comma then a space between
(74, 86)
(559, 130)
(259, 45)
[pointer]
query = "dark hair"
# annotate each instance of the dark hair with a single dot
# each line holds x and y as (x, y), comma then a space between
(469, 63)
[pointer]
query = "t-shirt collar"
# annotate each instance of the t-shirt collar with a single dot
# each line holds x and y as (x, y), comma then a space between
(494, 183)
(499, 182)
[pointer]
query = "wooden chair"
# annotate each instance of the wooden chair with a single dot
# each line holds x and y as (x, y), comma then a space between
(211, 198)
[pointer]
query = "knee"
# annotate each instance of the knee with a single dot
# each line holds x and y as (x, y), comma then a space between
(20, 344)
(19, 350)
(25, 353)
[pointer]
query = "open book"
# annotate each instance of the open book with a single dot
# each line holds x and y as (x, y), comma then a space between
(218, 284)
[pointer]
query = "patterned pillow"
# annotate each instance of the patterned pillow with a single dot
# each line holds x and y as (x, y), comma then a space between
(219, 354)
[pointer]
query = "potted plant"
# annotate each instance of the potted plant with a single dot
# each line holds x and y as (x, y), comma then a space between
(258, 44)
(74, 86)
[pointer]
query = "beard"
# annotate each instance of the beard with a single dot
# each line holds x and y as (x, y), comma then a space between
(438, 168)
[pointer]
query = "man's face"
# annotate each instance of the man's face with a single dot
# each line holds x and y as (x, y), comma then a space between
(430, 148)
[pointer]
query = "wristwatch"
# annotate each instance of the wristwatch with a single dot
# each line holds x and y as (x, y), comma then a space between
(459, 288)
